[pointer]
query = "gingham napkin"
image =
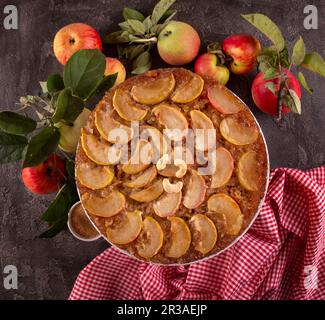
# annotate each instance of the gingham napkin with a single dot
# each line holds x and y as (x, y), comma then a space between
(282, 256)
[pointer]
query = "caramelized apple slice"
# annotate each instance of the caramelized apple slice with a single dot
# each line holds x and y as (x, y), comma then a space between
(156, 138)
(170, 117)
(237, 133)
(203, 129)
(110, 129)
(104, 207)
(189, 91)
(247, 172)
(168, 204)
(224, 168)
(154, 90)
(149, 194)
(101, 152)
(143, 179)
(204, 231)
(195, 192)
(152, 237)
(223, 204)
(141, 158)
(127, 230)
(169, 171)
(224, 100)
(126, 108)
(180, 238)
(94, 177)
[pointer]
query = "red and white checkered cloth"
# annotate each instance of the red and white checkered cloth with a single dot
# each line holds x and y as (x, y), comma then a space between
(282, 256)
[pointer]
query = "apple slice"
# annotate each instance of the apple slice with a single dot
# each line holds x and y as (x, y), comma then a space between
(224, 168)
(201, 122)
(247, 172)
(195, 191)
(224, 100)
(204, 231)
(143, 179)
(168, 204)
(223, 204)
(100, 152)
(154, 90)
(149, 194)
(156, 138)
(127, 229)
(238, 133)
(104, 207)
(170, 117)
(126, 107)
(141, 158)
(109, 128)
(180, 238)
(189, 91)
(169, 171)
(151, 238)
(94, 177)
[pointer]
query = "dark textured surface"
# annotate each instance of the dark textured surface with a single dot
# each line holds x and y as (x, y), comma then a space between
(48, 268)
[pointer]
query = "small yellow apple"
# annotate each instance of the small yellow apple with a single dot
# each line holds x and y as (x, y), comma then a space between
(70, 133)
(114, 65)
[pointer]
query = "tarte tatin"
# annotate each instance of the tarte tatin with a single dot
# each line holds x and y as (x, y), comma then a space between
(165, 207)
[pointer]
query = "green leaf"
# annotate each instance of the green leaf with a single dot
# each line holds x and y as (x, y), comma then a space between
(125, 27)
(61, 204)
(70, 167)
(54, 83)
(298, 52)
(67, 107)
(147, 23)
(135, 51)
(116, 37)
(167, 16)
(11, 147)
(271, 73)
(142, 63)
(294, 102)
(304, 83)
(284, 58)
(267, 27)
(160, 10)
(315, 63)
(55, 228)
(41, 146)
(129, 13)
(137, 26)
(271, 86)
(106, 83)
(15, 123)
(43, 85)
(84, 71)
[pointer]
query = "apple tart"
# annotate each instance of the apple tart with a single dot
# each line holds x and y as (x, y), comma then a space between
(150, 191)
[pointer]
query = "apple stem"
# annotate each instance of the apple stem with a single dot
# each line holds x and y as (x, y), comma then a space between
(151, 40)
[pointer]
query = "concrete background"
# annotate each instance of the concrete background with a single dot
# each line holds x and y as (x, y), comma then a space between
(47, 268)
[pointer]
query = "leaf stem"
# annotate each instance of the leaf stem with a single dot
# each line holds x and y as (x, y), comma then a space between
(150, 40)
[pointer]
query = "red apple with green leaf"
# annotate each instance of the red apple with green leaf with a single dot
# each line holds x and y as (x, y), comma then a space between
(243, 49)
(266, 92)
(208, 65)
(45, 177)
(74, 37)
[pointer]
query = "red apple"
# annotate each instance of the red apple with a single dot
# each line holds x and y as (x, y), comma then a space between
(178, 43)
(265, 99)
(206, 65)
(46, 177)
(243, 49)
(74, 37)
(114, 65)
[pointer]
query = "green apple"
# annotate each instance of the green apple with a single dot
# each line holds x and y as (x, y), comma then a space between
(70, 133)
(178, 43)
